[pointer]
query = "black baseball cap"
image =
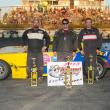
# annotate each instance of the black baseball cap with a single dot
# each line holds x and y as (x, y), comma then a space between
(65, 21)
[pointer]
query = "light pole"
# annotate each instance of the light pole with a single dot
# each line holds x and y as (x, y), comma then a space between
(71, 4)
(0, 13)
(100, 3)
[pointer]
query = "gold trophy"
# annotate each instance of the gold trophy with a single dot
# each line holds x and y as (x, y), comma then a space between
(91, 71)
(34, 73)
(90, 68)
(68, 75)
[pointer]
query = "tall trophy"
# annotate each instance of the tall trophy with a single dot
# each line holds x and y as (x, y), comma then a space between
(91, 71)
(34, 73)
(68, 74)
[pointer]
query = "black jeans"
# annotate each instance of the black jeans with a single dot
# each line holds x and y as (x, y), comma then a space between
(39, 63)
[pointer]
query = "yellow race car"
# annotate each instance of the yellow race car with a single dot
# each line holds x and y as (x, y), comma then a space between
(13, 56)
(15, 63)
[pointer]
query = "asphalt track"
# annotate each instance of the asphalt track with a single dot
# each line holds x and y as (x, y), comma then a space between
(18, 95)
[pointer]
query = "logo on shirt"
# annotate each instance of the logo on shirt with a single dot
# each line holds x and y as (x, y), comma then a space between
(89, 37)
(35, 36)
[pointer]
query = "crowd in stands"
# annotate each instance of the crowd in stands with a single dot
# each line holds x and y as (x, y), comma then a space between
(54, 16)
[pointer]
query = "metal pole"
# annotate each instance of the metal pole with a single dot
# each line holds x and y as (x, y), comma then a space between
(52, 3)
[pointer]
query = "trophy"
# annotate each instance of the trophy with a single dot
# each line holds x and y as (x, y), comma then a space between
(68, 75)
(34, 73)
(91, 71)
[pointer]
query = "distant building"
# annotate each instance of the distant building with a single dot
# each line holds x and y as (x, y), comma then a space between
(89, 3)
(51, 3)
(66, 3)
(30, 2)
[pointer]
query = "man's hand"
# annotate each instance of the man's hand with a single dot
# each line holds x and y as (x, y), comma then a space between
(44, 48)
(73, 54)
(82, 52)
(55, 53)
(25, 48)
(98, 51)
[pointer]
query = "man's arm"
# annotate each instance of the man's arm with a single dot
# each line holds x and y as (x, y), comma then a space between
(99, 39)
(80, 37)
(24, 37)
(46, 41)
(74, 37)
(55, 42)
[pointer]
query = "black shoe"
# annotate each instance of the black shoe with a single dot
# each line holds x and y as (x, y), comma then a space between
(29, 76)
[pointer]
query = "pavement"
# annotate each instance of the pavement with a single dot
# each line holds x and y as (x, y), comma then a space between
(19, 95)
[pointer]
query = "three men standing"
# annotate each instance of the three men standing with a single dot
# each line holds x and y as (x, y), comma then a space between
(63, 44)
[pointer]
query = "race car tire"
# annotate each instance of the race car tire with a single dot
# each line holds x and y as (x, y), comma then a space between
(5, 70)
(101, 69)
